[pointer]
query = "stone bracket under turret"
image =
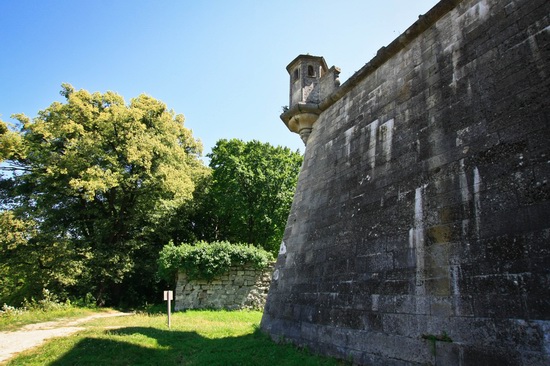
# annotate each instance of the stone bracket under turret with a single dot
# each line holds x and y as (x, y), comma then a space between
(300, 119)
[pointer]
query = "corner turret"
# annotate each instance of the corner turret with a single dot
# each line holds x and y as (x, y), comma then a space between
(310, 82)
(305, 73)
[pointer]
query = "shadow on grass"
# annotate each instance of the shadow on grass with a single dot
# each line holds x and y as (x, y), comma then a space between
(151, 346)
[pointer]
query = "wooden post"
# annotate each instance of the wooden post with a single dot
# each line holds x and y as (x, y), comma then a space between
(168, 296)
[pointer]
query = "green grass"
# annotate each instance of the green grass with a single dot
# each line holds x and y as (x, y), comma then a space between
(195, 338)
(13, 322)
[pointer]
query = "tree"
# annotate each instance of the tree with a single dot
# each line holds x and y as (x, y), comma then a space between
(252, 188)
(96, 177)
(10, 142)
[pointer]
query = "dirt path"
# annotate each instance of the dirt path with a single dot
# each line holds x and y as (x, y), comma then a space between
(33, 335)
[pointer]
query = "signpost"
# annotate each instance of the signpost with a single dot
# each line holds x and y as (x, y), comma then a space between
(168, 296)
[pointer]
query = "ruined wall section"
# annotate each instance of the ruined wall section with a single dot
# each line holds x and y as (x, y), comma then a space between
(422, 209)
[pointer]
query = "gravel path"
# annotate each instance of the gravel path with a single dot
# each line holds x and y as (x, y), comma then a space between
(33, 335)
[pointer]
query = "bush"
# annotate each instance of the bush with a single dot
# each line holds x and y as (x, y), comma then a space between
(209, 260)
(49, 302)
(11, 311)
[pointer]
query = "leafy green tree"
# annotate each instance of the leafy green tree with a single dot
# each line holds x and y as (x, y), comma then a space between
(249, 198)
(10, 142)
(96, 177)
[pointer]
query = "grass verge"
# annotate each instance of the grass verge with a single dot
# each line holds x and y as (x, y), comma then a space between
(16, 321)
(195, 338)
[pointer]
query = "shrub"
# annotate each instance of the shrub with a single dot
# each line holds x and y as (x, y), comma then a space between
(8, 311)
(209, 260)
(49, 302)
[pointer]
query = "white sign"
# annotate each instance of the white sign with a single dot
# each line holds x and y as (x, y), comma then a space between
(169, 296)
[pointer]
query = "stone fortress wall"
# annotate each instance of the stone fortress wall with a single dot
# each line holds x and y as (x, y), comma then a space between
(420, 228)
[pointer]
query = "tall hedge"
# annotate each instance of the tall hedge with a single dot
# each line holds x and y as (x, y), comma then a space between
(209, 260)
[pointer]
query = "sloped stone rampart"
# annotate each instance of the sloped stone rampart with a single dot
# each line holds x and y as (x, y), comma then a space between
(239, 288)
(420, 229)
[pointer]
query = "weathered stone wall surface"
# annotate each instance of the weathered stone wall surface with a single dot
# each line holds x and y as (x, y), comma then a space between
(420, 229)
(240, 288)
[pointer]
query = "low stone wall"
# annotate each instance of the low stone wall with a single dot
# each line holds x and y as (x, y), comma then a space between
(239, 288)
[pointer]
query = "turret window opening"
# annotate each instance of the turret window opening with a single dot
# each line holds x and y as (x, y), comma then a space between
(296, 75)
(310, 71)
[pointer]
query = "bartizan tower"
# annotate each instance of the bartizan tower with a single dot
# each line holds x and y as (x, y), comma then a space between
(308, 86)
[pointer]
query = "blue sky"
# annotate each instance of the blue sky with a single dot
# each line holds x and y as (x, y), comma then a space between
(220, 63)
